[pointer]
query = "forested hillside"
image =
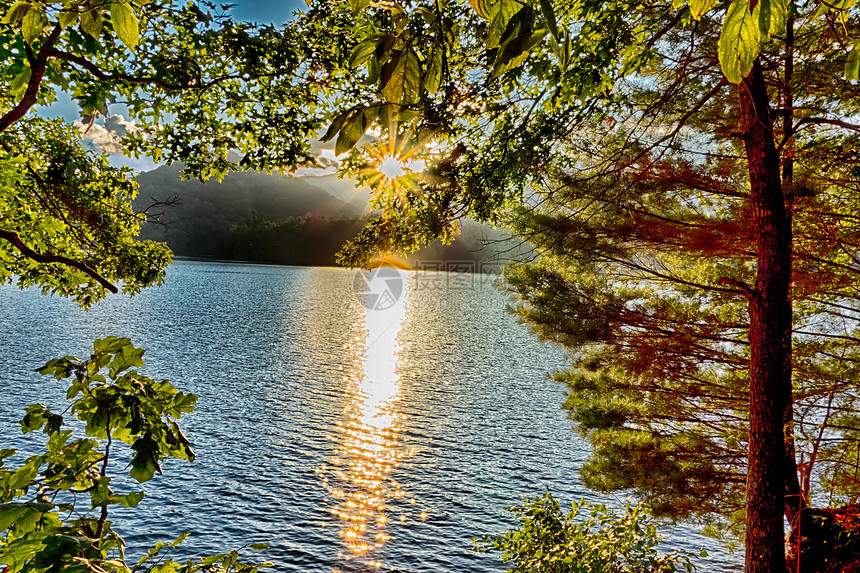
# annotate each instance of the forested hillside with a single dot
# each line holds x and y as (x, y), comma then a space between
(252, 216)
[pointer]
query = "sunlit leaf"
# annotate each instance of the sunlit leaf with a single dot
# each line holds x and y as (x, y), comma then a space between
(362, 51)
(411, 77)
(739, 40)
(519, 38)
(32, 25)
(392, 78)
(484, 8)
(125, 24)
(132, 499)
(67, 18)
(433, 77)
(699, 8)
(502, 12)
(16, 12)
(19, 84)
(358, 6)
(778, 16)
(91, 23)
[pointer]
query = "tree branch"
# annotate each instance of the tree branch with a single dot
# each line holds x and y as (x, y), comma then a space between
(38, 66)
(40, 258)
(827, 121)
(106, 77)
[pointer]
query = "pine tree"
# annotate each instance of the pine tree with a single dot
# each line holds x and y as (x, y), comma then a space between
(652, 276)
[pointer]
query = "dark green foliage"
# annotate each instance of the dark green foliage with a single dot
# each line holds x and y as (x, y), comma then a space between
(307, 241)
(588, 538)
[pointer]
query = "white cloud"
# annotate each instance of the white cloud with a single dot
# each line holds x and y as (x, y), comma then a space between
(327, 164)
(106, 136)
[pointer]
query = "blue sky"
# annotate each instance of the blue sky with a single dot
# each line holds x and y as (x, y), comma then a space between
(274, 12)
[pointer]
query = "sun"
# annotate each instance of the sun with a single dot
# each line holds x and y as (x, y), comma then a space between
(392, 168)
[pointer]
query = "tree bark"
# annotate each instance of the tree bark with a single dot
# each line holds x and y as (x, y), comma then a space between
(770, 318)
(794, 500)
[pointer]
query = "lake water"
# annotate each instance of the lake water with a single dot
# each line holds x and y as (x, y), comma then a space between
(348, 439)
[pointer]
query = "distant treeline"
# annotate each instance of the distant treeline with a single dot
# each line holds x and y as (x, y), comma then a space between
(313, 240)
(281, 220)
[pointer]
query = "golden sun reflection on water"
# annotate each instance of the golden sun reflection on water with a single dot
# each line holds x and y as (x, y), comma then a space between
(369, 449)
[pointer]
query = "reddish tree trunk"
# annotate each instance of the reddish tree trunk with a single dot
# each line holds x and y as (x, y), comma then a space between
(770, 319)
(794, 500)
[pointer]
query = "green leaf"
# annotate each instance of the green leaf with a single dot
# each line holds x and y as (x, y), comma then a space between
(144, 469)
(373, 70)
(362, 51)
(19, 84)
(517, 52)
(778, 17)
(32, 25)
(516, 42)
(820, 11)
(392, 78)
(259, 546)
(764, 17)
(412, 77)
(503, 11)
(125, 24)
(433, 76)
(336, 124)
(110, 345)
(484, 8)
(67, 17)
(852, 64)
(91, 23)
(131, 499)
(699, 8)
(352, 130)
(358, 6)
(16, 12)
(549, 15)
(739, 40)
(11, 513)
(129, 357)
(839, 6)
(20, 478)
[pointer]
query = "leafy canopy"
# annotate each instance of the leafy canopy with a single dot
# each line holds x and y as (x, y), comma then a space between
(194, 87)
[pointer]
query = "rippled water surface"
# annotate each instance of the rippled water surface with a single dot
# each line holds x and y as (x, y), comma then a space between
(348, 439)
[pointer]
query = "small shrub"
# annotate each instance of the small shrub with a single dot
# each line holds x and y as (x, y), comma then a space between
(54, 508)
(590, 538)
